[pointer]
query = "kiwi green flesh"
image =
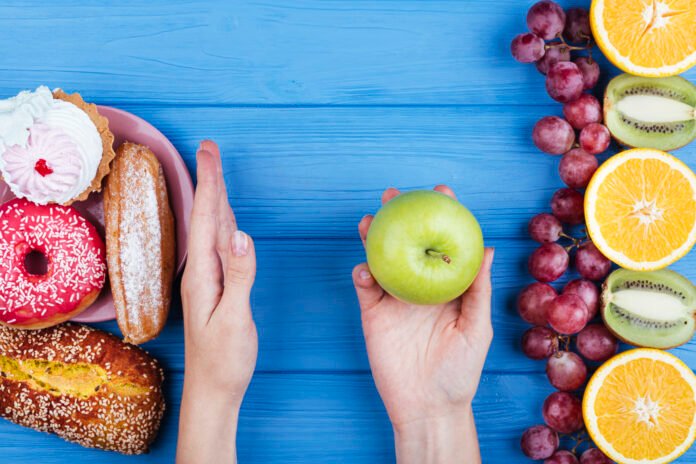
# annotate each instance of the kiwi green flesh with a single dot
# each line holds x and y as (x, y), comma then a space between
(649, 309)
(651, 112)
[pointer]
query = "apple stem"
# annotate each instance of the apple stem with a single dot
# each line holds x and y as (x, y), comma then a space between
(437, 254)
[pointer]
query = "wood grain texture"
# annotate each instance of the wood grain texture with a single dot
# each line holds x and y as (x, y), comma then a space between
(314, 172)
(306, 52)
(305, 306)
(314, 418)
(318, 105)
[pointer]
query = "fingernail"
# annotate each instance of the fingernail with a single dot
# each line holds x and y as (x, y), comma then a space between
(201, 151)
(365, 275)
(240, 243)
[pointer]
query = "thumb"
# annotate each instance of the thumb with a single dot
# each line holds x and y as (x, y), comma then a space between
(239, 273)
(368, 290)
(476, 302)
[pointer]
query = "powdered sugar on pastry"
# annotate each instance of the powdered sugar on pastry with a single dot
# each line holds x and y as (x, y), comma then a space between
(140, 246)
(139, 242)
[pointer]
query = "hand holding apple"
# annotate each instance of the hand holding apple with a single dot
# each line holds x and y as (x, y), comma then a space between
(427, 361)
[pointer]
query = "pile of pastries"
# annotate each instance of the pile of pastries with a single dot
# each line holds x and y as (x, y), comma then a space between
(56, 150)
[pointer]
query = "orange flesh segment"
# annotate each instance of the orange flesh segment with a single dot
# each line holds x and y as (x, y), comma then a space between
(618, 422)
(651, 33)
(669, 209)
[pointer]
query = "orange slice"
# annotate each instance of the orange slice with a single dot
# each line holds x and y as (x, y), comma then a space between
(640, 407)
(640, 209)
(646, 37)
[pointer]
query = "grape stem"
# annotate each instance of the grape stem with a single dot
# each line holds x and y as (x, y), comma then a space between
(563, 43)
(565, 340)
(437, 254)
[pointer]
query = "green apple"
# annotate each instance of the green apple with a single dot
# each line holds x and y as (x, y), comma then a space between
(424, 247)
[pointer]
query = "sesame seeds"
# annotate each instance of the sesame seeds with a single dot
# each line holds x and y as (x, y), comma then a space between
(113, 417)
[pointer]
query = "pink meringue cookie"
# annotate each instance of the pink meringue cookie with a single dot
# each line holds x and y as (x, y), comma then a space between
(48, 169)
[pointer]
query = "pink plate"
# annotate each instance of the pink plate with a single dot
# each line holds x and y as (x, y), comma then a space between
(127, 126)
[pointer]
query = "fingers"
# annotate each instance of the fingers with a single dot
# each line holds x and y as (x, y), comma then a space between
(364, 226)
(446, 190)
(368, 290)
(240, 273)
(203, 233)
(390, 193)
(476, 302)
(226, 223)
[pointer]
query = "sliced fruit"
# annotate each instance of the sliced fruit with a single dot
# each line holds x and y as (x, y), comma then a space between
(640, 209)
(640, 407)
(651, 38)
(651, 112)
(650, 309)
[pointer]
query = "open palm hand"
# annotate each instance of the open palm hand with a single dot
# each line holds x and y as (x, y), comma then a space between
(426, 360)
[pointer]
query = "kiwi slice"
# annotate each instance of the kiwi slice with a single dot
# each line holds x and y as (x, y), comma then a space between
(651, 112)
(649, 309)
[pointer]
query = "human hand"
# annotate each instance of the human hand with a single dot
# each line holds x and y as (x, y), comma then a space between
(427, 360)
(221, 342)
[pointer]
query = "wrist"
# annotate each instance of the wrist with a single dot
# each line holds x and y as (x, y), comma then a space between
(207, 425)
(449, 438)
(210, 396)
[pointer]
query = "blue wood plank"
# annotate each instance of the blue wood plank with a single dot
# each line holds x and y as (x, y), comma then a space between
(314, 172)
(306, 310)
(275, 52)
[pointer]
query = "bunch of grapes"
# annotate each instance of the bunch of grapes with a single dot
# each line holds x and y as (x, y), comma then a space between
(560, 318)
(555, 35)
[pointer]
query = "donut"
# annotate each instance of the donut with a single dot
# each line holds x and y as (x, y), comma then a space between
(52, 264)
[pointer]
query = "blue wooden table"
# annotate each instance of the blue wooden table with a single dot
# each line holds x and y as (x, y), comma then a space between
(318, 105)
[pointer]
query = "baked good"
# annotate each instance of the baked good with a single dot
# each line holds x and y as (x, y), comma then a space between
(52, 264)
(54, 147)
(140, 242)
(81, 384)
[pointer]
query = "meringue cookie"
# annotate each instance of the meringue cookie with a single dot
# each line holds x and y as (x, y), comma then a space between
(50, 150)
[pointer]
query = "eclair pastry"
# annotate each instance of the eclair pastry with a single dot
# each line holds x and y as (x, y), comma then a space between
(81, 384)
(140, 242)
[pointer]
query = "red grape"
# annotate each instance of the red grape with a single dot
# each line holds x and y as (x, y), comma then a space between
(591, 263)
(553, 55)
(553, 135)
(568, 206)
(595, 138)
(577, 167)
(545, 228)
(539, 442)
(527, 48)
(566, 371)
(562, 457)
(577, 26)
(567, 314)
(548, 262)
(583, 111)
(564, 82)
(562, 412)
(589, 293)
(539, 342)
(590, 71)
(596, 343)
(531, 303)
(546, 19)
(594, 456)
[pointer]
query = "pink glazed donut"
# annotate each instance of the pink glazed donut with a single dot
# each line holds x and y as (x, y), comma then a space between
(52, 264)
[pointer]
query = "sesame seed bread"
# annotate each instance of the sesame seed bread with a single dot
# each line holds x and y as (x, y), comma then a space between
(140, 242)
(82, 384)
